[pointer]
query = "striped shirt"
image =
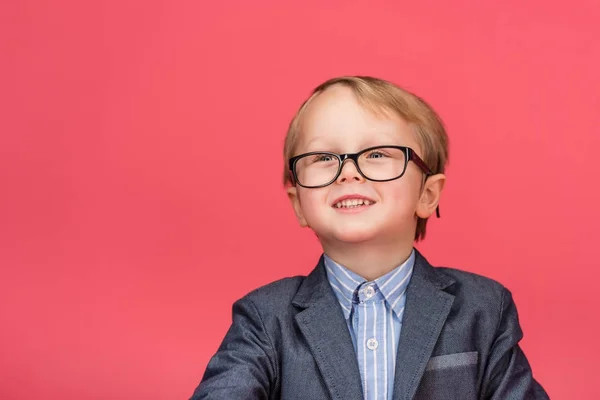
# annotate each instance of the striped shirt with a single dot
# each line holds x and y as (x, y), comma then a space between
(373, 311)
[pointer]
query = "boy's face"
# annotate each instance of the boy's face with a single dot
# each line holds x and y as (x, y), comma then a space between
(334, 121)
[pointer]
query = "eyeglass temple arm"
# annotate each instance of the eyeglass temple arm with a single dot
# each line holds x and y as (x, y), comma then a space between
(417, 160)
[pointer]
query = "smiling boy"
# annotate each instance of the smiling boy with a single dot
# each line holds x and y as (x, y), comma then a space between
(364, 169)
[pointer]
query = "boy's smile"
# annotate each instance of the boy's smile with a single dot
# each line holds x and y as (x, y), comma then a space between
(352, 203)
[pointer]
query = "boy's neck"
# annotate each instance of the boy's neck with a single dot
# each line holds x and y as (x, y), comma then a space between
(369, 260)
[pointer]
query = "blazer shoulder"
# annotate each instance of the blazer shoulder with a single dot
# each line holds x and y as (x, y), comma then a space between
(475, 288)
(472, 279)
(274, 296)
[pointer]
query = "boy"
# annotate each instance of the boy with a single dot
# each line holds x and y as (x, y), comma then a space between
(364, 164)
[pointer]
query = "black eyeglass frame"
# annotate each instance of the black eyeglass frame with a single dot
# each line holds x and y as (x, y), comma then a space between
(409, 153)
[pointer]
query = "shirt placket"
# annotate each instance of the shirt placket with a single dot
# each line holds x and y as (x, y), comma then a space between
(367, 331)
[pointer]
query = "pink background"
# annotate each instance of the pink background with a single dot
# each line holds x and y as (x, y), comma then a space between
(140, 165)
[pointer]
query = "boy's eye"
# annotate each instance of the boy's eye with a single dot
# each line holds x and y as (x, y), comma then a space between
(376, 154)
(323, 158)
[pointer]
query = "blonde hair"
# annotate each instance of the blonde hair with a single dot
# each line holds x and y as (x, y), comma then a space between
(380, 96)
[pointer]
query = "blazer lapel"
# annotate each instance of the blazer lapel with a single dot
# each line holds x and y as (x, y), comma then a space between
(323, 325)
(426, 310)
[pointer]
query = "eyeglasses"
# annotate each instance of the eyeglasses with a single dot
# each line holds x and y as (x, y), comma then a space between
(380, 164)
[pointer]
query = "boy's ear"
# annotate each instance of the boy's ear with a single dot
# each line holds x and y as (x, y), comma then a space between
(292, 192)
(430, 195)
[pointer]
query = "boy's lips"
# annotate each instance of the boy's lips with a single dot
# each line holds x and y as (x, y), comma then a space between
(352, 202)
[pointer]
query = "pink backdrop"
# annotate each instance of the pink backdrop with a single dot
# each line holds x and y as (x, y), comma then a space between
(140, 163)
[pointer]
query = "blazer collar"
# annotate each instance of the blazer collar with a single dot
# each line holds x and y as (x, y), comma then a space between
(427, 307)
(324, 326)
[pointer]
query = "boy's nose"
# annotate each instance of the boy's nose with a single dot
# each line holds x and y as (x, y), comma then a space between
(349, 173)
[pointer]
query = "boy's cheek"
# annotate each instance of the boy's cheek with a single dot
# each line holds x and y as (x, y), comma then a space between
(312, 209)
(309, 205)
(315, 207)
(294, 197)
(312, 198)
(401, 194)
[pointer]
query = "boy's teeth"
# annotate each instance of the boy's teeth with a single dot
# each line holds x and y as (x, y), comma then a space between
(352, 203)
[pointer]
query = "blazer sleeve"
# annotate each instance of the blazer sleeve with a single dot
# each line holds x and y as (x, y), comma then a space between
(508, 375)
(244, 366)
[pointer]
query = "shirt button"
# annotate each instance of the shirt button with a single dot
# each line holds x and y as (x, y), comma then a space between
(372, 344)
(369, 292)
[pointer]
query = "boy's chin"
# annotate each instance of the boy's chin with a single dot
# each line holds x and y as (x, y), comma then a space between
(354, 236)
(361, 234)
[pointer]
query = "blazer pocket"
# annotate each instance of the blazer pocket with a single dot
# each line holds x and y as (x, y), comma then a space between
(452, 360)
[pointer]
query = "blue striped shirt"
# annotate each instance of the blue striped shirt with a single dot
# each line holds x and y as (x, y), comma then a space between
(373, 311)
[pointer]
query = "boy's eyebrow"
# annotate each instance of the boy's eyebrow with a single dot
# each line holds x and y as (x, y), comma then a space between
(319, 143)
(319, 146)
(338, 149)
(311, 141)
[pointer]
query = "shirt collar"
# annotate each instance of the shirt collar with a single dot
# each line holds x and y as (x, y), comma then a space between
(392, 285)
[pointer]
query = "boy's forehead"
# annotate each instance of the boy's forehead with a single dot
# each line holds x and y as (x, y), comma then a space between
(336, 116)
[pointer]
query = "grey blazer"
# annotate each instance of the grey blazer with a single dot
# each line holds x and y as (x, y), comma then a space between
(289, 340)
